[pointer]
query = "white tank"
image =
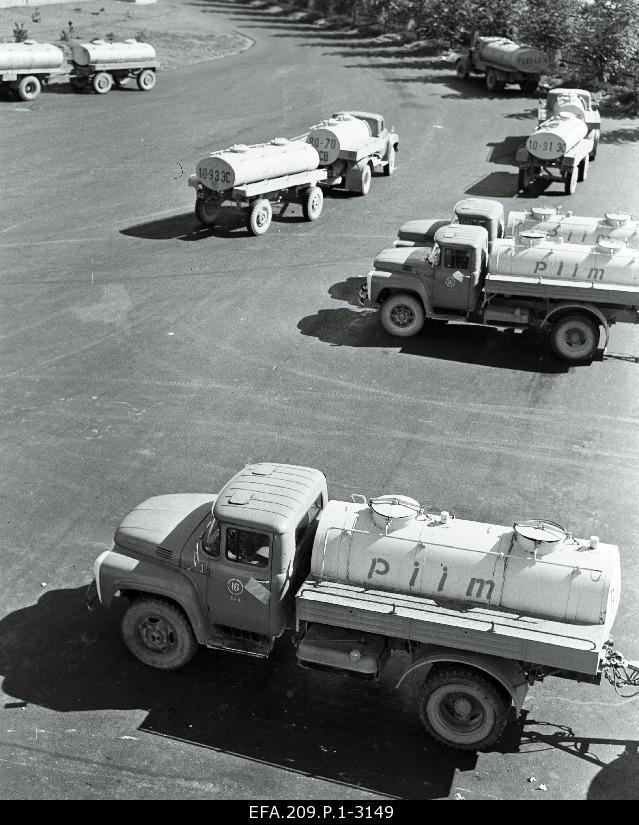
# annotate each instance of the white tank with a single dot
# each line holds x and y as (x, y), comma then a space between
(100, 51)
(503, 52)
(248, 164)
(532, 254)
(615, 226)
(338, 134)
(30, 55)
(534, 568)
(555, 136)
(569, 101)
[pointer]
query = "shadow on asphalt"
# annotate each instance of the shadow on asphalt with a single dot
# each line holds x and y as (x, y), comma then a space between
(527, 351)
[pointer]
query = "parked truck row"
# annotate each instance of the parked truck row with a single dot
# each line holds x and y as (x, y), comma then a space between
(26, 67)
(477, 612)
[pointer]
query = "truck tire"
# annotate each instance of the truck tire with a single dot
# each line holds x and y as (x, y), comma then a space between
(312, 203)
(146, 80)
(570, 180)
(402, 315)
(207, 210)
(102, 83)
(79, 82)
(390, 164)
(528, 86)
(582, 174)
(461, 69)
(595, 144)
(522, 180)
(463, 708)
(575, 338)
(259, 216)
(158, 634)
(492, 83)
(365, 180)
(29, 87)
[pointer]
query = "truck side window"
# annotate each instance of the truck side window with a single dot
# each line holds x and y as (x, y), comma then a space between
(308, 521)
(246, 547)
(456, 258)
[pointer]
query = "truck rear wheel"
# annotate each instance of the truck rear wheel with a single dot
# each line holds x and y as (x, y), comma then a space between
(365, 180)
(312, 203)
(79, 82)
(102, 83)
(402, 315)
(463, 708)
(522, 180)
(595, 144)
(492, 83)
(29, 87)
(583, 169)
(570, 180)
(259, 216)
(146, 80)
(575, 338)
(390, 164)
(207, 210)
(158, 634)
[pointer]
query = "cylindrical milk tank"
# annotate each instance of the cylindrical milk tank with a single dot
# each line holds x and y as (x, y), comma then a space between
(555, 136)
(503, 52)
(574, 229)
(30, 55)
(340, 134)
(100, 51)
(606, 262)
(568, 102)
(533, 570)
(247, 164)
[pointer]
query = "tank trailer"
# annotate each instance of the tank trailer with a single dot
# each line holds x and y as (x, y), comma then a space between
(25, 67)
(562, 145)
(343, 150)
(478, 612)
(102, 64)
(502, 61)
(573, 291)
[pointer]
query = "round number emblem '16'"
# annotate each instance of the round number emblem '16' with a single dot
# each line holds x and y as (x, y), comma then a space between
(450, 282)
(235, 586)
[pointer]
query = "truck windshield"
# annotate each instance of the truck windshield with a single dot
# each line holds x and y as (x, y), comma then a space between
(210, 539)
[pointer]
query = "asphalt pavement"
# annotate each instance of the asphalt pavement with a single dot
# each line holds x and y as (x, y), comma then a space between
(143, 354)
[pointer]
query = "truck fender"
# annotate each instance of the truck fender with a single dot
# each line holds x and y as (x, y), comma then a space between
(586, 309)
(509, 674)
(115, 573)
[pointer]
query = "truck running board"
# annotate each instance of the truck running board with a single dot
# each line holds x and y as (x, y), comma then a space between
(240, 641)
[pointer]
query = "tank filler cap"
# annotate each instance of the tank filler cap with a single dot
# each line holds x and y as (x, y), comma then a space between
(594, 542)
(130, 40)
(395, 507)
(280, 141)
(617, 218)
(29, 42)
(98, 41)
(610, 246)
(543, 211)
(532, 237)
(239, 147)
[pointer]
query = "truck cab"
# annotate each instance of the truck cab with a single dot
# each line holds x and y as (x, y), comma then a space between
(229, 564)
(442, 282)
(467, 212)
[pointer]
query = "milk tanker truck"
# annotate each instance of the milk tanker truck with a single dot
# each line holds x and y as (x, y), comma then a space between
(476, 612)
(25, 67)
(573, 291)
(502, 61)
(562, 145)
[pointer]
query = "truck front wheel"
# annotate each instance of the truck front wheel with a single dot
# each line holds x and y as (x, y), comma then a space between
(402, 315)
(583, 169)
(463, 708)
(390, 162)
(575, 338)
(461, 69)
(158, 634)
(492, 83)
(29, 87)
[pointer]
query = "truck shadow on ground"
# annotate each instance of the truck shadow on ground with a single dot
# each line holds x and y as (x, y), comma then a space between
(528, 351)
(364, 735)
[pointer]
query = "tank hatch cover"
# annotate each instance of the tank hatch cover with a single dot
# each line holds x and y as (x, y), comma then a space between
(617, 218)
(393, 507)
(610, 246)
(263, 469)
(240, 497)
(543, 212)
(532, 236)
(539, 532)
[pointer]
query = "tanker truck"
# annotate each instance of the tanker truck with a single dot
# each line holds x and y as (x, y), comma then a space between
(25, 67)
(351, 147)
(614, 226)
(502, 62)
(573, 291)
(102, 64)
(254, 177)
(476, 612)
(564, 143)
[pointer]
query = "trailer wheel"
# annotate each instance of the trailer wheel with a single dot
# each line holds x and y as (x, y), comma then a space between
(570, 180)
(402, 315)
(158, 634)
(312, 203)
(575, 338)
(463, 708)
(79, 82)
(102, 83)
(461, 69)
(492, 83)
(29, 87)
(522, 180)
(146, 80)
(595, 144)
(390, 165)
(582, 174)
(259, 216)
(207, 210)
